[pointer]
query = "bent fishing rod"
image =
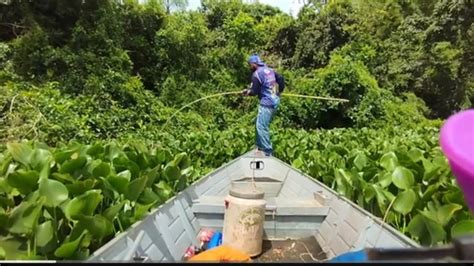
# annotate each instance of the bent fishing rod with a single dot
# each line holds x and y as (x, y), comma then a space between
(240, 92)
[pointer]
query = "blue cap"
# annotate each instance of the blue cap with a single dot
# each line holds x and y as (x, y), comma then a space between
(255, 59)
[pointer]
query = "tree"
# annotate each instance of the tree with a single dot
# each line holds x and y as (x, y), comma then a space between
(178, 4)
(216, 11)
(321, 32)
(180, 44)
(242, 31)
(141, 23)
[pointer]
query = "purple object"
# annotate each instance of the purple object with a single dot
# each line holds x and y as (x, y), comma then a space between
(457, 143)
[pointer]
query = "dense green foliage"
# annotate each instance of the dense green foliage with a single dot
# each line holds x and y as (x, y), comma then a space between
(87, 87)
(374, 172)
(78, 196)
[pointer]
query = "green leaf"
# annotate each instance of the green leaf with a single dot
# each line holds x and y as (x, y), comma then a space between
(44, 173)
(430, 191)
(297, 163)
(68, 249)
(148, 197)
(78, 229)
(131, 154)
(24, 217)
(380, 197)
(385, 179)
(25, 181)
(369, 194)
(142, 160)
(72, 165)
(125, 174)
(445, 213)
(161, 156)
(4, 187)
(462, 228)
(426, 230)
(113, 210)
(80, 187)
(5, 165)
(441, 162)
(152, 176)
(44, 233)
(40, 159)
(389, 161)
(430, 211)
(98, 225)
(3, 219)
(13, 248)
(102, 169)
(20, 152)
(454, 197)
(427, 165)
(168, 155)
(171, 172)
(54, 191)
(187, 173)
(134, 169)
(107, 189)
(415, 155)
(360, 161)
(342, 186)
(182, 160)
(141, 211)
(417, 227)
(64, 178)
(404, 202)
(388, 195)
(126, 218)
(348, 177)
(135, 188)
(61, 156)
(403, 178)
(182, 184)
(84, 204)
(118, 183)
(6, 202)
(95, 150)
(163, 190)
(11, 168)
(112, 151)
(433, 175)
(122, 163)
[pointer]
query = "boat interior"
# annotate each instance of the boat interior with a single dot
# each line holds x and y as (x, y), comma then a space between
(305, 221)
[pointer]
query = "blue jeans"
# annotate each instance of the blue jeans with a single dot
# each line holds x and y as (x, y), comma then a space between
(262, 129)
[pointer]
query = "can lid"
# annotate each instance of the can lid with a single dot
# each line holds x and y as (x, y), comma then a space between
(246, 193)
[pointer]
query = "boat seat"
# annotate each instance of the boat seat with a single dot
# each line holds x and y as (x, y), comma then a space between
(275, 206)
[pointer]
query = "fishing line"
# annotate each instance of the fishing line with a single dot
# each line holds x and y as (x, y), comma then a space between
(240, 92)
(383, 221)
(198, 100)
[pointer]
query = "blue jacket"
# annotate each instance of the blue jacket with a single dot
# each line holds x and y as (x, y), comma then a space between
(264, 81)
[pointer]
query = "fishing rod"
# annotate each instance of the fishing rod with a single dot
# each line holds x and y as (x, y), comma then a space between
(240, 92)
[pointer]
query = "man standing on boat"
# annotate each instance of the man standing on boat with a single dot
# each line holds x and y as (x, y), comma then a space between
(267, 85)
